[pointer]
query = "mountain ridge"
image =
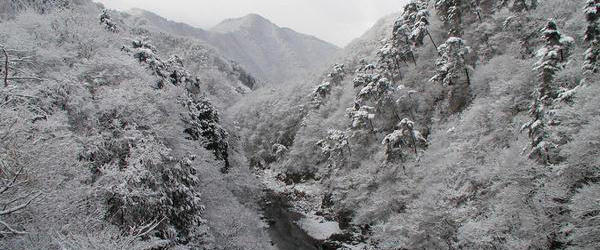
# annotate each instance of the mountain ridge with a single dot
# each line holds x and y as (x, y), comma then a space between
(272, 53)
(231, 24)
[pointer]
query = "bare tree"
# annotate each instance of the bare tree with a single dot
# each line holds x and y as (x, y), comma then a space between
(19, 58)
(9, 183)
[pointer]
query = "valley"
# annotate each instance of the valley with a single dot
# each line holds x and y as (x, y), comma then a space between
(449, 124)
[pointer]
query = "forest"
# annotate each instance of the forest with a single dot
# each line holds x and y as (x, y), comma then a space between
(451, 124)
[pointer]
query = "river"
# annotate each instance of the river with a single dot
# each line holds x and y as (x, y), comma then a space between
(285, 234)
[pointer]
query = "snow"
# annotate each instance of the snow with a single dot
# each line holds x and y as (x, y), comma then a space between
(567, 40)
(454, 40)
(319, 228)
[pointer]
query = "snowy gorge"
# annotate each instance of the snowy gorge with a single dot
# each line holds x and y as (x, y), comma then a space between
(451, 124)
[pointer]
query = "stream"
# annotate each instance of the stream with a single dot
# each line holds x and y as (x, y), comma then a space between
(285, 234)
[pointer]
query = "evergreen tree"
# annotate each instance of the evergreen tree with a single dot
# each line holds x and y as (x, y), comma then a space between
(517, 5)
(172, 71)
(415, 20)
(364, 75)
(334, 78)
(552, 57)
(107, 22)
(202, 122)
(361, 116)
(376, 93)
(279, 150)
(453, 72)
(388, 61)
(451, 13)
(420, 30)
(405, 136)
(592, 36)
(320, 93)
(335, 144)
(409, 29)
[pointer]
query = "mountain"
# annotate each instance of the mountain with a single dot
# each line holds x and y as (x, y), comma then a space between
(271, 53)
(129, 131)
(471, 130)
(108, 88)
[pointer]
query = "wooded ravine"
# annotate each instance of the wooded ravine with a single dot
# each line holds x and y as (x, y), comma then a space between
(451, 124)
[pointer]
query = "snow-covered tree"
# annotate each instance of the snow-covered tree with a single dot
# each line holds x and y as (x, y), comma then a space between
(409, 30)
(335, 144)
(361, 116)
(171, 71)
(451, 13)
(541, 148)
(405, 136)
(552, 56)
(370, 68)
(14, 200)
(392, 144)
(107, 22)
(585, 208)
(178, 75)
(420, 30)
(592, 36)
(401, 42)
(145, 53)
(453, 72)
(388, 61)
(148, 190)
(333, 79)
(323, 90)
(363, 78)
(414, 22)
(361, 64)
(202, 124)
(12, 65)
(320, 93)
(375, 92)
(337, 74)
(278, 150)
(517, 5)
(413, 11)
(373, 86)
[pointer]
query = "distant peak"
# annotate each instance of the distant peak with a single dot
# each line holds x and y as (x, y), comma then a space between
(254, 17)
(247, 21)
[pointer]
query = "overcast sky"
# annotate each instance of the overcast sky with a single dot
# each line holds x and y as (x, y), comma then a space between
(335, 21)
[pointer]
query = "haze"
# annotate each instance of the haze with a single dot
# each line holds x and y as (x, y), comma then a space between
(335, 21)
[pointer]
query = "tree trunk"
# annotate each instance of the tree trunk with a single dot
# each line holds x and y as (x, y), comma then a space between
(349, 150)
(412, 55)
(436, 47)
(412, 107)
(414, 141)
(468, 77)
(413, 58)
(5, 68)
(396, 113)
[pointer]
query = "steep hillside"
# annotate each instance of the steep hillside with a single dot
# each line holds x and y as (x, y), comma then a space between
(111, 138)
(468, 127)
(274, 54)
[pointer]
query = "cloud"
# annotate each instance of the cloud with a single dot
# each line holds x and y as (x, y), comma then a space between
(336, 21)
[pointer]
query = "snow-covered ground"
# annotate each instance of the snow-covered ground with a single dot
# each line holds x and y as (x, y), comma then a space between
(318, 227)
